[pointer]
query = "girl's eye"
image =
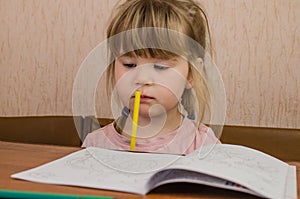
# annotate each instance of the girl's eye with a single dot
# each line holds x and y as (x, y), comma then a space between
(160, 67)
(130, 65)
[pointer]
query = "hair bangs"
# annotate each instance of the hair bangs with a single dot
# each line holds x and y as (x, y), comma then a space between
(152, 42)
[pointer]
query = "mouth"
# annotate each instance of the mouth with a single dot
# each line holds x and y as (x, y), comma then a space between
(144, 97)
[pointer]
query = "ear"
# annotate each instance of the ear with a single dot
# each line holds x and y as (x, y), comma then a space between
(199, 64)
(189, 82)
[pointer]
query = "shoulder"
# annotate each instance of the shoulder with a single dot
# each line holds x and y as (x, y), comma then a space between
(210, 134)
(99, 135)
(202, 135)
(201, 129)
(207, 135)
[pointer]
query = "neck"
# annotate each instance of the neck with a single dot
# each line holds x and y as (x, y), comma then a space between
(159, 125)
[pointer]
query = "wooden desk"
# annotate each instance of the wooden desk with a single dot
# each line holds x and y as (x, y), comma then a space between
(16, 157)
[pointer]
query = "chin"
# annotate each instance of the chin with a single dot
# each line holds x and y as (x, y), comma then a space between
(151, 112)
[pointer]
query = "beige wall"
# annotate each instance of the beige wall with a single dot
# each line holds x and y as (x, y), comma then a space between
(257, 45)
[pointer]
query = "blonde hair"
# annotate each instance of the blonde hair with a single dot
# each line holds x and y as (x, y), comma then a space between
(184, 16)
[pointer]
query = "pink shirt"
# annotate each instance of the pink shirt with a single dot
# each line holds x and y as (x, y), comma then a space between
(183, 140)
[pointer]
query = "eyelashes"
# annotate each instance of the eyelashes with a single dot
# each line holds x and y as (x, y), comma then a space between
(156, 66)
(129, 65)
(160, 67)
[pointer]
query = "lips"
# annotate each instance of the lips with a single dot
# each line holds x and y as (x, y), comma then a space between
(144, 97)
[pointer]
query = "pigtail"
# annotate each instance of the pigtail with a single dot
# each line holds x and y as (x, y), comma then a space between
(120, 122)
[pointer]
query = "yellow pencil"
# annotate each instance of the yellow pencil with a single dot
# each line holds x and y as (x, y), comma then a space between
(135, 119)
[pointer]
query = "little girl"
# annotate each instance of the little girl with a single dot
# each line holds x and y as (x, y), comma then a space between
(153, 51)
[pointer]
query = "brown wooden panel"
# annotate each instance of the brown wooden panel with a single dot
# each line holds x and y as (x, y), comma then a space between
(281, 143)
(60, 130)
(43, 130)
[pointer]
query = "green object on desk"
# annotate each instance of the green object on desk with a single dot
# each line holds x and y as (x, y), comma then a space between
(9, 194)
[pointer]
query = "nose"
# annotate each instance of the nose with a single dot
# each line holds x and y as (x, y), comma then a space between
(144, 75)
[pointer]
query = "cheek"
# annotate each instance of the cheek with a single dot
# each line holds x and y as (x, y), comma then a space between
(118, 73)
(123, 91)
(123, 85)
(174, 82)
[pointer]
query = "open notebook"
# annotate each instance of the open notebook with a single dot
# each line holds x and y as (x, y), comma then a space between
(225, 166)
